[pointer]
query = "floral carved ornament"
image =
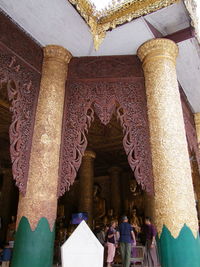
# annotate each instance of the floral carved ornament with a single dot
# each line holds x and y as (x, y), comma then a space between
(128, 100)
(22, 82)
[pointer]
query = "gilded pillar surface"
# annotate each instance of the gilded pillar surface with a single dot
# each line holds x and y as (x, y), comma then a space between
(194, 165)
(37, 209)
(175, 212)
(115, 189)
(86, 185)
(197, 124)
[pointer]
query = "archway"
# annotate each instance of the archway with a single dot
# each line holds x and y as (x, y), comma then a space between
(83, 100)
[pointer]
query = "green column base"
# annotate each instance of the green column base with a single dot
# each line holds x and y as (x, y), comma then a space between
(33, 248)
(183, 251)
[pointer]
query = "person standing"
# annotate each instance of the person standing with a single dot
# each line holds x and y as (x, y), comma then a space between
(126, 235)
(151, 258)
(6, 257)
(111, 243)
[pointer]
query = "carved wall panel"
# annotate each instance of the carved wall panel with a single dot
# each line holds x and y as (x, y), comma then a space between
(103, 86)
(105, 67)
(22, 83)
(126, 98)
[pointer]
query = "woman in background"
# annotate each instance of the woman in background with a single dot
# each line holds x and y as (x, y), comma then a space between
(111, 243)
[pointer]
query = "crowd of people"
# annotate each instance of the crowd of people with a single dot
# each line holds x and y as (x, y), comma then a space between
(124, 238)
(118, 239)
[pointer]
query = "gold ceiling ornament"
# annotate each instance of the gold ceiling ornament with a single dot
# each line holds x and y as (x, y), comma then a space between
(117, 13)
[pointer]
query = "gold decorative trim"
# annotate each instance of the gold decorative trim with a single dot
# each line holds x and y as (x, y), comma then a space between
(100, 23)
(159, 47)
(57, 52)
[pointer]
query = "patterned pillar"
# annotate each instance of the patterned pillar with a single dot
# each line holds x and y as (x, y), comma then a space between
(197, 124)
(115, 190)
(194, 165)
(175, 212)
(37, 209)
(86, 185)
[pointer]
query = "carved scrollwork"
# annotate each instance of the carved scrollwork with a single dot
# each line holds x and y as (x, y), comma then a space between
(23, 88)
(128, 100)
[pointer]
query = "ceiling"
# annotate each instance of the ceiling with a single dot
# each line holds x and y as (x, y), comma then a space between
(58, 22)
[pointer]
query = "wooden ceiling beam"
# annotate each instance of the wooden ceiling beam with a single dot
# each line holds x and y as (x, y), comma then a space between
(177, 37)
(181, 35)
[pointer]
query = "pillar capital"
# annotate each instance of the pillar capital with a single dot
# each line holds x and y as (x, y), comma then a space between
(114, 169)
(89, 154)
(157, 48)
(57, 52)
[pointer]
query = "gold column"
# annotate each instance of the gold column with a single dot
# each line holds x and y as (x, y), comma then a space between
(194, 165)
(41, 193)
(197, 124)
(115, 190)
(86, 185)
(174, 196)
(196, 182)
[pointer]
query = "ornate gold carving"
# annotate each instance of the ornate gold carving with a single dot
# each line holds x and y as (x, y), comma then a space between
(99, 22)
(174, 195)
(158, 48)
(56, 52)
(197, 124)
(41, 194)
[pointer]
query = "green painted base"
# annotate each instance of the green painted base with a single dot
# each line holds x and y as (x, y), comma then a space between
(33, 248)
(183, 251)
